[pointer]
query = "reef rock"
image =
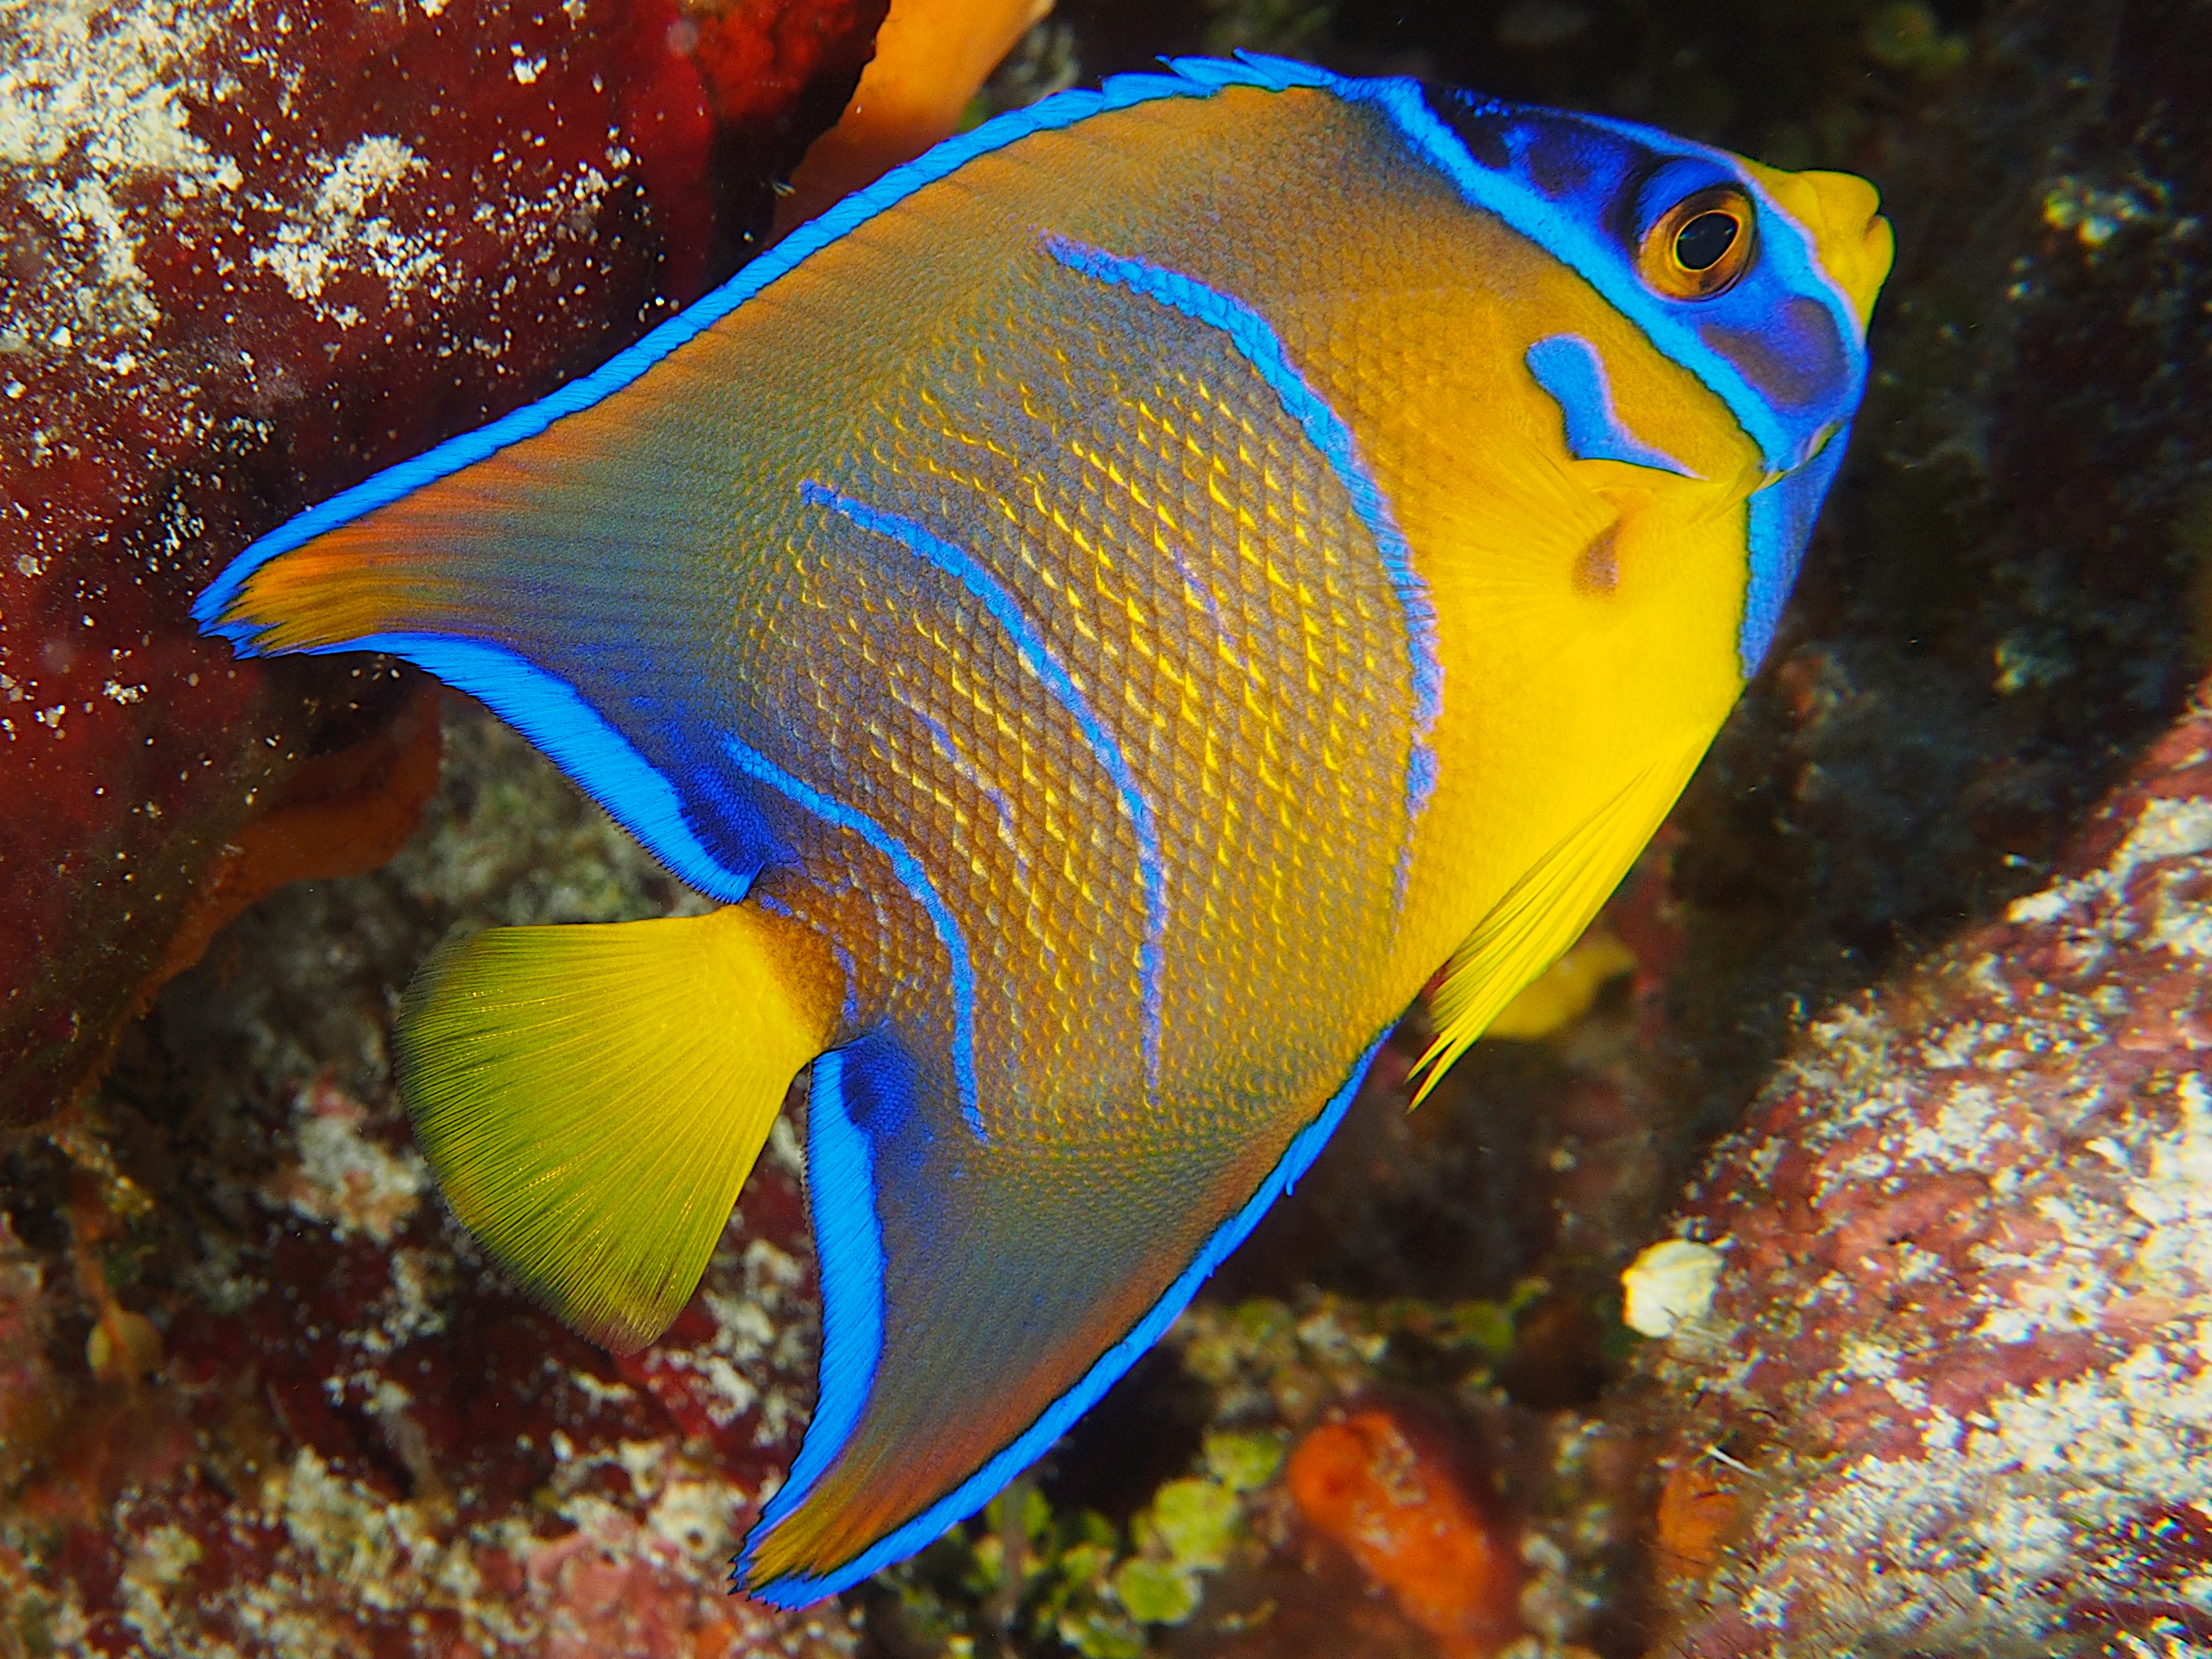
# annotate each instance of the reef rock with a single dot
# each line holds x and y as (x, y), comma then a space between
(259, 1396)
(253, 253)
(1954, 1392)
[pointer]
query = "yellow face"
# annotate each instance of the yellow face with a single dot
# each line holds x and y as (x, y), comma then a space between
(1607, 487)
(1841, 212)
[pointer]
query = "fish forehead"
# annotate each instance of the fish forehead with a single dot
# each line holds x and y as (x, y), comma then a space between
(1783, 348)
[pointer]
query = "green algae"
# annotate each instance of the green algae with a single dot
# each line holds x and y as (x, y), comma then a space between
(1026, 1574)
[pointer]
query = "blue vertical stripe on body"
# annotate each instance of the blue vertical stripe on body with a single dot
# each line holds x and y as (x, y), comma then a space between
(1255, 341)
(1037, 657)
(912, 877)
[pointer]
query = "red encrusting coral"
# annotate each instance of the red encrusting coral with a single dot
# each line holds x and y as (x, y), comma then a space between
(1954, 1392)
(257, 253)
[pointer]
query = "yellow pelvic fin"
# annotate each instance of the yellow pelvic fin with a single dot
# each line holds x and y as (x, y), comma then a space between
(1546, 910)
(592, 1097)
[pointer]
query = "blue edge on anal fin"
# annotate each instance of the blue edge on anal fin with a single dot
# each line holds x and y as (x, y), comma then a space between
(848, 1240)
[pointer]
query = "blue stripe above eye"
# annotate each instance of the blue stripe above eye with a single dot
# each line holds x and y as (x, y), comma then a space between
(1570, 369)
(1570, 237)
(979, 1488)
(1038, 657)
(1795, 257)
(912, 877)
(1258, 344)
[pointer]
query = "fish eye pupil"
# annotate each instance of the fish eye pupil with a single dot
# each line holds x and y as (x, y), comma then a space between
(1704, 242)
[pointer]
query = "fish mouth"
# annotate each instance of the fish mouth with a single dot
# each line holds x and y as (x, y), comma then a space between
(1856, 242)
(1841, 213)
(1877, 249)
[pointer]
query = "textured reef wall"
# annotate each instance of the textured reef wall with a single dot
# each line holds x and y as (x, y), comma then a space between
(258, 1395)
(1951, 1395)
(1954, 1392)
(254, 252)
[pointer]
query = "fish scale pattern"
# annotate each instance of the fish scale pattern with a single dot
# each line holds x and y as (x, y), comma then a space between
(1176, 543)
(903, 705)
(1180, 545)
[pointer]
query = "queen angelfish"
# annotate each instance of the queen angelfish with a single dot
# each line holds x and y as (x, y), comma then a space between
(1107, 610)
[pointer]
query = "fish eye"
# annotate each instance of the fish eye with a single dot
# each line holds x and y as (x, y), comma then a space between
(1701, 245)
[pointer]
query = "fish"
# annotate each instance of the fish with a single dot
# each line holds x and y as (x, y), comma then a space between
(1106, 612)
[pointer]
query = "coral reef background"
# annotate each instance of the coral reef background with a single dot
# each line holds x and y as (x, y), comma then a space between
(1900, 1015)
(254, 253)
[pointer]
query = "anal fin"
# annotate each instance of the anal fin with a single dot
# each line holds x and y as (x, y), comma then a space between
(979, 1296)
(592, 1097)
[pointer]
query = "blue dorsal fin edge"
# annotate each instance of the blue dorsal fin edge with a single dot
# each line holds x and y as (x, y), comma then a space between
(1192, 77)
(840, 1179)
(576, 738)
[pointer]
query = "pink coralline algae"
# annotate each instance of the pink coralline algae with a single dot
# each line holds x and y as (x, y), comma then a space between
(253, 253)
(1954, 1392)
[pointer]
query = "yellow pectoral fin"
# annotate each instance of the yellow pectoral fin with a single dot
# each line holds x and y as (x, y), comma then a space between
(592, 1098)
(1546, 910)
(1564, 992)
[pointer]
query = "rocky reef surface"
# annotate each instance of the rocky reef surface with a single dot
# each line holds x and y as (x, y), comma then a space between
(259, 1395)
(1898, 1016)
(1952, 1389)
(254, 252)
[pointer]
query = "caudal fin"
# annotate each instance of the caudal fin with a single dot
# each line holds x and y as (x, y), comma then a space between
(592, 1098)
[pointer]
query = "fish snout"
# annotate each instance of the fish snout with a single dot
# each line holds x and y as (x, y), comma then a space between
(1841, 212)
(1854, 241)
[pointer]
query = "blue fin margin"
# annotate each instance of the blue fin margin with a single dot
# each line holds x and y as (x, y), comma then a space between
(556, 719)
(1190, 77)
(849, 1243)
(545, 708)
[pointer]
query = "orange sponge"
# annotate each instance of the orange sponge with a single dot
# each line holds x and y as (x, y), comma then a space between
(1377, 1485)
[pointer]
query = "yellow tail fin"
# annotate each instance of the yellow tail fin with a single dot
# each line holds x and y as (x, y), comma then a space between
(592, 1097)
